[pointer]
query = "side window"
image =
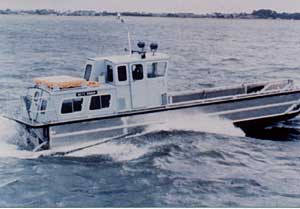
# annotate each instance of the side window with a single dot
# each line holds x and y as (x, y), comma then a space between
(36, 96)
(156, 69)
(87, 73)
(95, 103)
(122, 74)
(43, 106)
(110, 75)
(105, 101)
(67, 106)
(77, 105)
(99, 102)
(137, 72)
(71, 105)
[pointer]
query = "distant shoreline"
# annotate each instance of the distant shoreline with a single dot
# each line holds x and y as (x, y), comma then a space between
(256, 14)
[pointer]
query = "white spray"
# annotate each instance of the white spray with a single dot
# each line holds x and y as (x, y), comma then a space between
(8, 136)
(196, 121)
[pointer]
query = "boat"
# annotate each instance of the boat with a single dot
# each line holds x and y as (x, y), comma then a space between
(123, 94)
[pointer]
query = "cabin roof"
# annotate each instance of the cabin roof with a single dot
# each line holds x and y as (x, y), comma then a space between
(121, 59)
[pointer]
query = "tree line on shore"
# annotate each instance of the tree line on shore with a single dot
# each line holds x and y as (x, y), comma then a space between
(256, 14)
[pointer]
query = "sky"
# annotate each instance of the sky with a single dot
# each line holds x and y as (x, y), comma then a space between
(196, 6)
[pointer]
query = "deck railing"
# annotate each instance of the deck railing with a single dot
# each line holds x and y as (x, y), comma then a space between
(19, 110)
(244, 89)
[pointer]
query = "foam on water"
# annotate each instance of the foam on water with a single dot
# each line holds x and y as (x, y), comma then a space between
(199, 122)
(118, 152)
(8, 135)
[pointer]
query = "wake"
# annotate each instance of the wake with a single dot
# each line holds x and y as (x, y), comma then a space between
(197, 122)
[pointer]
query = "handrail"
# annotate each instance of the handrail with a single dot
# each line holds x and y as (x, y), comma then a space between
(35, 113)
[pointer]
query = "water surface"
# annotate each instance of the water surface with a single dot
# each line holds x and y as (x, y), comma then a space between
(190, 161)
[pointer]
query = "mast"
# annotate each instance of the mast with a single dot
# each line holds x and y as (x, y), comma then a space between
(128, 32)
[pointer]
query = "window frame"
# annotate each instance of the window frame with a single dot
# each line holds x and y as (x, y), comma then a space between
(166, 69)
(109, 101)
(73, 112)
(112, 73)
(65, 101)
(100, 100)
(131, 71)
(90, 104)
(43, 106)
(90, 72)
(126, 70)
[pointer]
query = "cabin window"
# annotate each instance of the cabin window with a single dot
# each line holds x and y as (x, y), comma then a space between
(105, 101)
(95, 103)
(77, 105)
(156, 69)
(110, 75)
(27, 101)
(137, 72)
(43, 106)
(36, 96)
(122, 74)
(87, 73)
(71, 105)
(99, 102)
(67, 106)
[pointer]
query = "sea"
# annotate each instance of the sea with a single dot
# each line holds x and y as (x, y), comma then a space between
(189, 161)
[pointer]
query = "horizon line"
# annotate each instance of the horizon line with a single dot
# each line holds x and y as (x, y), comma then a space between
(144, 12)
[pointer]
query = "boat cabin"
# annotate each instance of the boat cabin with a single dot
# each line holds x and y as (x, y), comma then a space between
(110, 85)
(139, 82)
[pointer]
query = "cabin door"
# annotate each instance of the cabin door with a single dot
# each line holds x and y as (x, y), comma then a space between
(138, 86)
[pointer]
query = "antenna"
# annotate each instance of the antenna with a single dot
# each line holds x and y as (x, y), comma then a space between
(128, 32)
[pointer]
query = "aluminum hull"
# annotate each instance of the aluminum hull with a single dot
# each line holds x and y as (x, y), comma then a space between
(248, 113)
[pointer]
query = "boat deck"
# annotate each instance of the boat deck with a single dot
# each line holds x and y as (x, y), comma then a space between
(216, 93)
